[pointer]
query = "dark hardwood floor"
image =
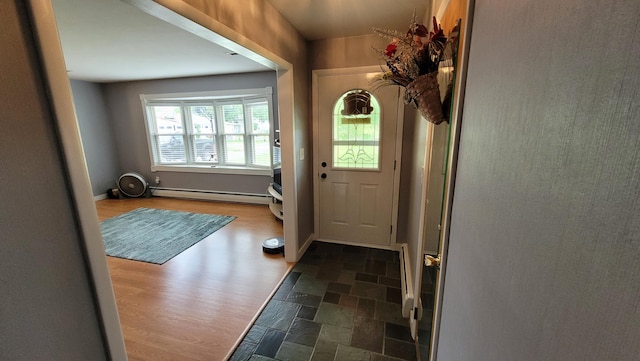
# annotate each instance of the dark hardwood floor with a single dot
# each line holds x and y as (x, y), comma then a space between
(197, 305)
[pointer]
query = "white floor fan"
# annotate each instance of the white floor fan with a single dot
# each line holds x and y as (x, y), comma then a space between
(133, 185)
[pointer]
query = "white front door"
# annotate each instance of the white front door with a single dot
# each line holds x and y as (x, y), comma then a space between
(355, 159)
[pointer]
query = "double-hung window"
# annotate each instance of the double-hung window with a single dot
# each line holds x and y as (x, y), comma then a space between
(217, 132)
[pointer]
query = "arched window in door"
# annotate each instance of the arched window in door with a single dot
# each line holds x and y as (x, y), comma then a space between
(356, 131)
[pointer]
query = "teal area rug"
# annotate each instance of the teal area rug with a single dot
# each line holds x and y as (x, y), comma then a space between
(157, 235)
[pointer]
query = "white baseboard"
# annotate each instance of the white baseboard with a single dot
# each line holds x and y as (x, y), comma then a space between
(99, 197)
(406, 282)
(212, 196)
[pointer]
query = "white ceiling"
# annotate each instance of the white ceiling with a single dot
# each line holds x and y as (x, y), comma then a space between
(110, 40)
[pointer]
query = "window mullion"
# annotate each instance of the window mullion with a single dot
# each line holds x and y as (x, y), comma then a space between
(222, 155)
(216, 134)
(248, 131)
(186, 126)
(272, 132)
(154, 132)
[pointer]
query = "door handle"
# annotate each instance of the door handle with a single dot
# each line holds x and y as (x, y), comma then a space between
(323, 175)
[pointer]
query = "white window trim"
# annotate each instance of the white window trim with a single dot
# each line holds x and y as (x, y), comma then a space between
(218, 95)
(214, 94)
(212, 169)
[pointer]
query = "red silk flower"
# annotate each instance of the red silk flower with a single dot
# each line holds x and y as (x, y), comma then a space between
(391, 49)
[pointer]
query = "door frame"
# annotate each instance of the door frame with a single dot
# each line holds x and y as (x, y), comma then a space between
(452, 164)
(315, 75)
(57, 82)
(63, 112)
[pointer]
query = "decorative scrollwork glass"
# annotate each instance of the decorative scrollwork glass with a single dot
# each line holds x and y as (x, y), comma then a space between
(356, 131)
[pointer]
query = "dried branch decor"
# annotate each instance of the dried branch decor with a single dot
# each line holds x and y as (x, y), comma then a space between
(412, 62)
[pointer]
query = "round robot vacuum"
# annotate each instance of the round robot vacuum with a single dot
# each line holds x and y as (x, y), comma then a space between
(273, 245)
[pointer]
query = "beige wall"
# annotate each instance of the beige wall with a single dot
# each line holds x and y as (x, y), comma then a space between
(346, 52)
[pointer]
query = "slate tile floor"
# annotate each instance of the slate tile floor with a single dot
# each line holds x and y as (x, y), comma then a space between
(338, 303)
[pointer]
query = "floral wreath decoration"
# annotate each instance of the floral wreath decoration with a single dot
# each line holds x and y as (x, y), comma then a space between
(412, 61)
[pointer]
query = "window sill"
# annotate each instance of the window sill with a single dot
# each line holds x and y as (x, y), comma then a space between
(212, 170)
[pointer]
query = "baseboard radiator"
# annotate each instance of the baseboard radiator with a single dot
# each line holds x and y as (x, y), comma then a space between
(406, 282)
(211, 195)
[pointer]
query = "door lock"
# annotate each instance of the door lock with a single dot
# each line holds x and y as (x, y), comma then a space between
(323, 175)
(431, 261)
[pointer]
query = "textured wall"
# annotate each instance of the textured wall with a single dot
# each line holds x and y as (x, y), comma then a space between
(97, 135)
(545, 235)
(47, 309)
